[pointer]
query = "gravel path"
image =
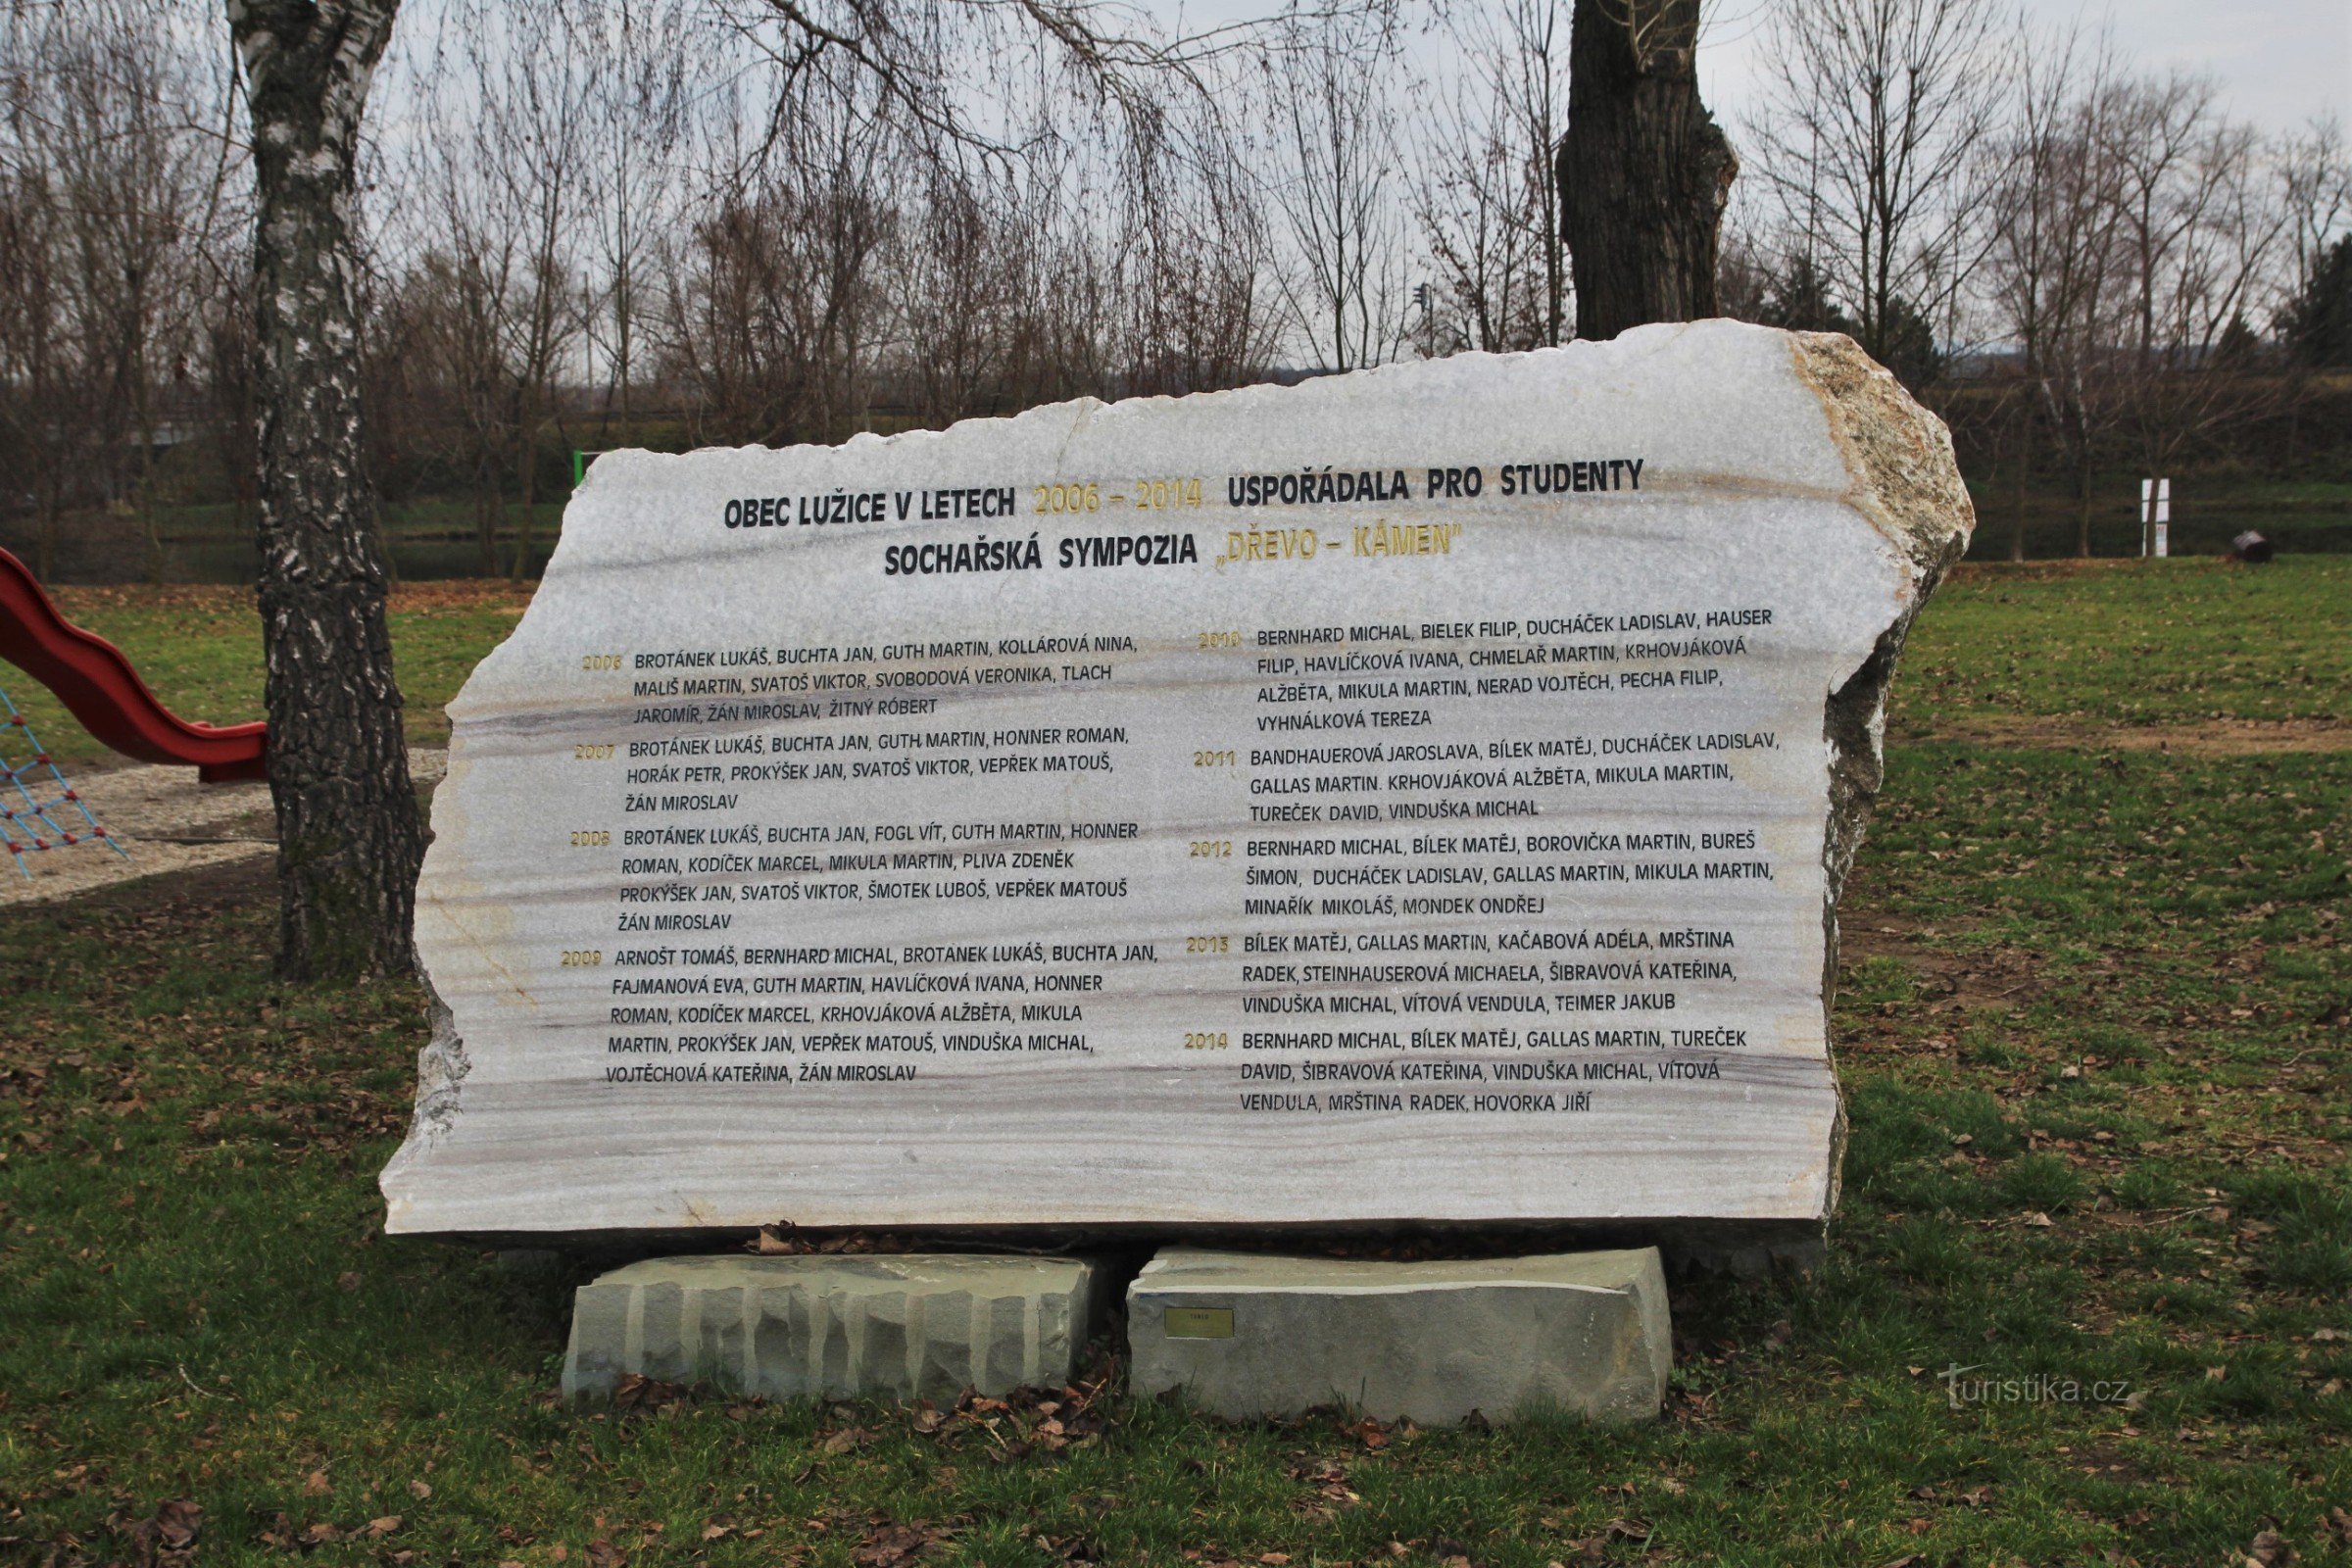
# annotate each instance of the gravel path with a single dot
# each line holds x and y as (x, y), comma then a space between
(168, 822)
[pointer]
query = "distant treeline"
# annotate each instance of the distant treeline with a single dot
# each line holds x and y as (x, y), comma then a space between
(595, 223)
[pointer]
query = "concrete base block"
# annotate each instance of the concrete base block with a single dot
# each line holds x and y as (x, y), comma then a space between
(1243, 1335)
(903, 1326)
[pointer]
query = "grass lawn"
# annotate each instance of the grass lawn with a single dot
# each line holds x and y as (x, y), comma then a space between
(2181, 642)
(199, 648)
(2093, 1026)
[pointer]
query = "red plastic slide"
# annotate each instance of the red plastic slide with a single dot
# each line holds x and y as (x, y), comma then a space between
(98, 687)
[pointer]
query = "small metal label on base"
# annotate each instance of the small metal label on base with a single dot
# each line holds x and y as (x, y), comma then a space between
(1199, 1322)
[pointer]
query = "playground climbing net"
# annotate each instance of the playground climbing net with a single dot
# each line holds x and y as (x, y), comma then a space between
(38, 809)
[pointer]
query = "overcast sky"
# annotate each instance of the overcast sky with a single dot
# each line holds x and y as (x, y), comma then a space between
(2279, 62)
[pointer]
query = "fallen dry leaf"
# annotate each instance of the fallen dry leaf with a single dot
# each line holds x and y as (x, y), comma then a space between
(167, 1539)
(421, 1490)
(2271, 1551)
(316, 1485)
(377, 1529)
(891, 1546)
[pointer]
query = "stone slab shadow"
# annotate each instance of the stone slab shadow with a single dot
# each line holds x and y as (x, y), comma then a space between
(1243, 1335)
(903, 1326)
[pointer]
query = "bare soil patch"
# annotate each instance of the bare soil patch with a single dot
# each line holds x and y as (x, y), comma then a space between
(2214, 737)
(1992, 979)
(165, 820)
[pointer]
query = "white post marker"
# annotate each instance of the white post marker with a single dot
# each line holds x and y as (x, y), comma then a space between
(2164, 518)
(2147, 505)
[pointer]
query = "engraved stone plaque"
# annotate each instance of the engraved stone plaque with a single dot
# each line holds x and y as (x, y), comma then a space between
(1419, 794)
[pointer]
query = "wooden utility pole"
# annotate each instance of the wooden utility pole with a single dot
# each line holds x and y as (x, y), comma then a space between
(349, 838)
(1643, 171)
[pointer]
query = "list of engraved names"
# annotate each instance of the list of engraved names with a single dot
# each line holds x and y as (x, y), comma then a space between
(1269, 810)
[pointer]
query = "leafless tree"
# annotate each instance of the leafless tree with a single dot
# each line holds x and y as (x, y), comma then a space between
(114, 183)
(1200, 314)
(2055, 257)
(647, 53)
(1344, 281)
(526, 147)
(2314, 178)
(775, 293)
(963, 279)
(1483, 191)
(1867, 142)
(2199, 222)
(40, 420)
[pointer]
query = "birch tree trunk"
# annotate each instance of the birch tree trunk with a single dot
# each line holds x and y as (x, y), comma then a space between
(1643, 171)
(349, 837)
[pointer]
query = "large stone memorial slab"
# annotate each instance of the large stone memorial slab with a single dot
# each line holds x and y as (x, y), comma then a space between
(1420, 795)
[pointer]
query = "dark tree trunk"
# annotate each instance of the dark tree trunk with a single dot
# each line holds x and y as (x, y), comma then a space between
(527, 463)
(2082, 507)
(2025, 473)
(349, 837)
(1643, 171)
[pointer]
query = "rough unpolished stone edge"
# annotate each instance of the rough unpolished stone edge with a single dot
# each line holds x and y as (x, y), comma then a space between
(1906, 481)
(441, 1068)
